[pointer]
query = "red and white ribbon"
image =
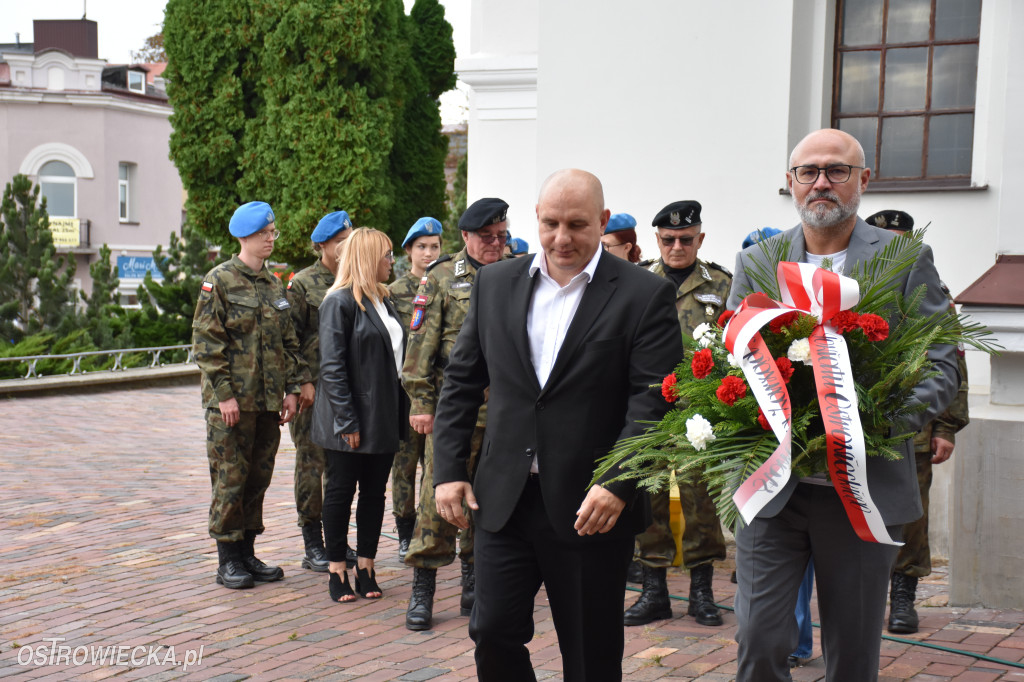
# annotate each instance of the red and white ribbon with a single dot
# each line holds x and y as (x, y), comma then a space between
(808, 289)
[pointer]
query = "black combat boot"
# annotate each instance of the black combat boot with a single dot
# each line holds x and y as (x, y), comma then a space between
(261, 572)
(653, 603)
(316, 555)
(468, 589)
(902, 593)
(702, 599)
(405, 528)
(231, 572)
(421, 602)
(635, 572)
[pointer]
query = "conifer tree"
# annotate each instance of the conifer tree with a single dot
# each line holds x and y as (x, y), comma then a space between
(36, 291)
(104, 317)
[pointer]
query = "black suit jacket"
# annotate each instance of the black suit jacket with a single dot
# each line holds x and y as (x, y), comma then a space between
(359, 389)
(623, 339)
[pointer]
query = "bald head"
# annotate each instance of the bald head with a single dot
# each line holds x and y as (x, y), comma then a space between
(574, 181)
(829, 140)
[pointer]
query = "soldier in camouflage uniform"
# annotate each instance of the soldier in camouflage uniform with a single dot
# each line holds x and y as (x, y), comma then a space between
(305, 292)
(933, 445)
(249, 358)
(423, 245)
(702, 290)
(440, 307)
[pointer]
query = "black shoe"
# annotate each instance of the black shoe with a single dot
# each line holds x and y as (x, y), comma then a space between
(231, 572)
(350, 558)
(468, 589)
(405, 528)
(796, 661)
(366, 583)
(261, 572)
(316, 555)
(653, 603)
(340, 591)
(421, 602)
(902, 616)
(635, 572)
(702, 600)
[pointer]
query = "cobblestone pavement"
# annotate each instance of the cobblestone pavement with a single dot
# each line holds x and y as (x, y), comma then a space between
(103, 544)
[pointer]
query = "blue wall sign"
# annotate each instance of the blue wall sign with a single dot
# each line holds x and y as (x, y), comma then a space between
(136, 267)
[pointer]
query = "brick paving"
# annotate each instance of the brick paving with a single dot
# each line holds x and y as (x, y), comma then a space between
(103, 544)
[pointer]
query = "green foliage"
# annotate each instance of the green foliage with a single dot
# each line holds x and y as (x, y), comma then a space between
(152, 51)
(104, 317)
(457, 200)
(36, 290)
(313, 106)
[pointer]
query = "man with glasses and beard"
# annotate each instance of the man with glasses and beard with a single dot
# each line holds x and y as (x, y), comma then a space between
(806, 519)
(439, 309)
(702, 288)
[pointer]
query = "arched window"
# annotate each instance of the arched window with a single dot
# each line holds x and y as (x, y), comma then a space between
(58, 184)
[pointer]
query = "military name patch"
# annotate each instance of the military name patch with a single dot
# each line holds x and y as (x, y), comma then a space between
(461, 285)
(281, 304)
(713, 299)
(207, 286)
(417, 318)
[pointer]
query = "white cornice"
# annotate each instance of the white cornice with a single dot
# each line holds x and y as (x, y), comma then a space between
(505, 86)
(97, 100)
(1005, 323)
(56, 151)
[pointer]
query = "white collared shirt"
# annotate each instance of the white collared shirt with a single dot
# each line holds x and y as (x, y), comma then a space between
(552, 308)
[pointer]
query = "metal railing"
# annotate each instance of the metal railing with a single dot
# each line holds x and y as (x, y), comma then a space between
(119, 356)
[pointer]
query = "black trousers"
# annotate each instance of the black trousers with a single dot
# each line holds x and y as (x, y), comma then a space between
(585, 590)
(344, 471)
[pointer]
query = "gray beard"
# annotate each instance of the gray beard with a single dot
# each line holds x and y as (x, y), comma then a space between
(826, 218)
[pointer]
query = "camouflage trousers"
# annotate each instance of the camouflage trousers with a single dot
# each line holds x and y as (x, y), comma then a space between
(703, 541)
(433, 540)
(403, 475)
(241, 466)
(915, 556)
(309, 470)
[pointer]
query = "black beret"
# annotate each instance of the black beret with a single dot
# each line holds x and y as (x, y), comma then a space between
(481, 213)
(891, 220)
(677, 215)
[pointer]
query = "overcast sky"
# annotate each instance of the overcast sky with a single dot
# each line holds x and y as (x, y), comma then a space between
(124, 25)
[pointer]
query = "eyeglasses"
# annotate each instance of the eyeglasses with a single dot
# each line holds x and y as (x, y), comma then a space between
(683, 241)
(489, 239)
(837, 173)
(612, 246)
(270, 235)
(390, 255)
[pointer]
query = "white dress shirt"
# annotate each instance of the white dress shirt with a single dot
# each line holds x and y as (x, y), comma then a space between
(552, 308)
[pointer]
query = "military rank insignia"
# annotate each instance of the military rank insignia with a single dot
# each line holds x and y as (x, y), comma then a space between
(418, 313)
(460, 268)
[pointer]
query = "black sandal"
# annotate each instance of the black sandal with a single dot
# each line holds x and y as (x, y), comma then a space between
(366, 582)
(339, 589)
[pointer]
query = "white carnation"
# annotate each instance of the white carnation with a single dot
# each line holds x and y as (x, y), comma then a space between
(699, 432)
(800, 351)
(733, 362)
(703, 335)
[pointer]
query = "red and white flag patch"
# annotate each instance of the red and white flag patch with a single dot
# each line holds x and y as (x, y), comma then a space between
(207, 286)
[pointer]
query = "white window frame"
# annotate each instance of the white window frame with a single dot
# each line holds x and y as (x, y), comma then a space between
(126, 185)
(61, 180)
(142, 86)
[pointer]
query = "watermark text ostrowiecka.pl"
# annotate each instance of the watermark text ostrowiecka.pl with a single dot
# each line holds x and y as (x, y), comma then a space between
(54, 652)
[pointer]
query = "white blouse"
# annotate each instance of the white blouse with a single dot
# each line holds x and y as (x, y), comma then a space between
(394, 328)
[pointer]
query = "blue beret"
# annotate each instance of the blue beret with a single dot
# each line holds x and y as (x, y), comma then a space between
(518, 246)
(330, 225)
(619, 222)
(481, 213)
(678, 215)
(760, 235)
(424, 227)
(250, 218)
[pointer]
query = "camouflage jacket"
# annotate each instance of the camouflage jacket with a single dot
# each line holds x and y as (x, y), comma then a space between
(243, 339)
(702, 296)
(403, 293)
(956, 415)
(440, 307)
(305, 292)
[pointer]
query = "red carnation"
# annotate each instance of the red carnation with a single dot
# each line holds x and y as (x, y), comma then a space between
(783, 321)
(785, 368)
(724, 317)
(731, 390)
(874, 327)
(763, 420)
(845, 320)
(668, 385)
(702, 363)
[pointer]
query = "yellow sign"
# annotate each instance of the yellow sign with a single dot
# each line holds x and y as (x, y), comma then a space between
(65, 232)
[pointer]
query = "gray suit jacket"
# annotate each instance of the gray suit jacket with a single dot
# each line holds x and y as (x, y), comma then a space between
(893, 485)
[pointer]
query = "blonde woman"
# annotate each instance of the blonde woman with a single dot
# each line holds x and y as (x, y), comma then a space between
(359, 410)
